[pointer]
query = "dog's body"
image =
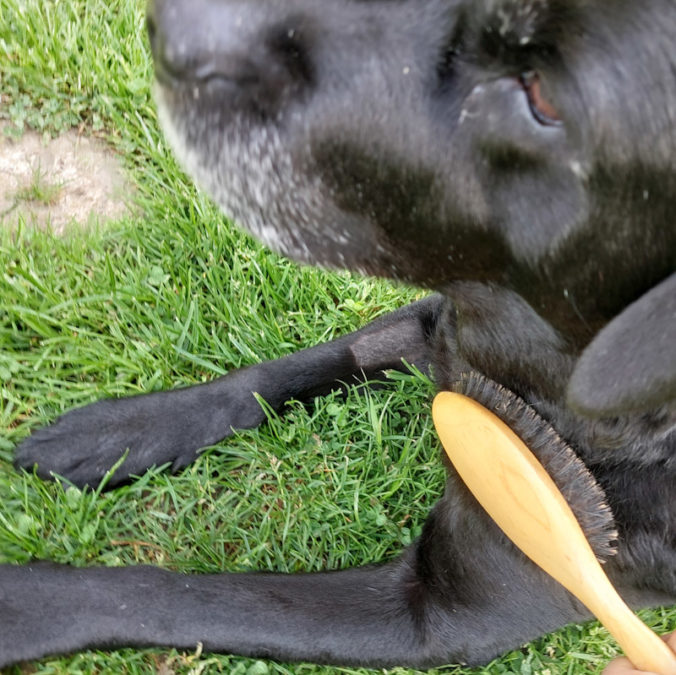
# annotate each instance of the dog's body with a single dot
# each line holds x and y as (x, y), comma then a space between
(516, 156)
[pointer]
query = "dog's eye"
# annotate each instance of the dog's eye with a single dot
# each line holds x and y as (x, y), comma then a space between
(543, 111)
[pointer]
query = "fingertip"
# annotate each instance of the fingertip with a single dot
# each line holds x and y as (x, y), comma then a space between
(623, 666)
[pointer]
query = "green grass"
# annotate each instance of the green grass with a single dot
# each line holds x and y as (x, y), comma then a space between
(172, 296)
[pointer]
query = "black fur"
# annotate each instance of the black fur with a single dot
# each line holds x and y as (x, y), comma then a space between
(517, 157)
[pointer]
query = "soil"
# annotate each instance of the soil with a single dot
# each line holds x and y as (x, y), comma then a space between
(56, 182)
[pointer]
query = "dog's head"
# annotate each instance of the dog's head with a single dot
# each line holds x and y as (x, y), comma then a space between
(525, 143)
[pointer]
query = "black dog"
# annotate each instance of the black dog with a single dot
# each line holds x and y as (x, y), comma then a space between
(518, 157)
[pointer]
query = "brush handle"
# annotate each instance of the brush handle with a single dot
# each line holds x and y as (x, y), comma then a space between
(516, 491)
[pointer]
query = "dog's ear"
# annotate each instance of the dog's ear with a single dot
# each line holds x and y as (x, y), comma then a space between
(631, 364)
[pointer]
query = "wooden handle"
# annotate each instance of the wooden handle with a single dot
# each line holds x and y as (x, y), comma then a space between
(516, 491)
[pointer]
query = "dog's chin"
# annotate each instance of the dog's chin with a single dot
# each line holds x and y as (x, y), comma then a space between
(249, 171)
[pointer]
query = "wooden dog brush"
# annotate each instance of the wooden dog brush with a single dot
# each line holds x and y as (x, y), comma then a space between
(521, 497)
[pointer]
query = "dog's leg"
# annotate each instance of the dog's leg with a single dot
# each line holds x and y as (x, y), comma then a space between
(172, 426)
(462, 593)
(455, 596)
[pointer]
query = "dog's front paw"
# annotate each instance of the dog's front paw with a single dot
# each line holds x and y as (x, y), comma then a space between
(85, 443)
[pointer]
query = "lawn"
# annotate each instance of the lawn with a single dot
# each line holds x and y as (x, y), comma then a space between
(173, 295)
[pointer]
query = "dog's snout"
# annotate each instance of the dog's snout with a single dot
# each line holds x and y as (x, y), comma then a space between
(253, 54)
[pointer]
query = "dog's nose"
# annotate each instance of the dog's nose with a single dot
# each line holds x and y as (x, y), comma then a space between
(192, 39)
(255, 50)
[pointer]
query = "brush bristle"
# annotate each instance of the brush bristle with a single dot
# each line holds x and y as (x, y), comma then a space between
(577, 484)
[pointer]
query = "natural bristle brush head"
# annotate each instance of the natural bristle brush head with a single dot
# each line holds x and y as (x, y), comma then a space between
(576, 483)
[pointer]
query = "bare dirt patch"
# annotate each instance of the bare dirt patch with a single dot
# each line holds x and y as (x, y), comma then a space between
(51, 184)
